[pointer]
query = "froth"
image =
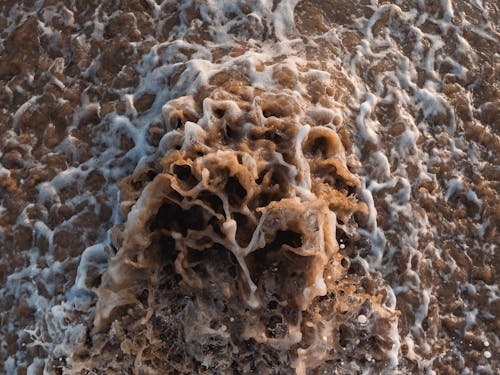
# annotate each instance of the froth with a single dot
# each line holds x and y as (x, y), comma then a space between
(243, 203)
(342, 155)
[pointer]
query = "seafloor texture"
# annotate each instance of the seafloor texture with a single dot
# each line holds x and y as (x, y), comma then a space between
(249, 187)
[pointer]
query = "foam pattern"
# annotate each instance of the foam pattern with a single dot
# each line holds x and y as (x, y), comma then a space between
(250, 186)
(242, 211)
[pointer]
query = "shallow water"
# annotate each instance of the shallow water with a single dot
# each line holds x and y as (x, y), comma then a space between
(232, 187)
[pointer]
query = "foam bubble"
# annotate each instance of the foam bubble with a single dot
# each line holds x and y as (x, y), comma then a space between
(362, 319)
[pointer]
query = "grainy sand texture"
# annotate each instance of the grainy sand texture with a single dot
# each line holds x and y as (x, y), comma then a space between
(249, 187)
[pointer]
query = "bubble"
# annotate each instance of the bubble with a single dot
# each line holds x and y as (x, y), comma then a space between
(362, 319)
(487, 354)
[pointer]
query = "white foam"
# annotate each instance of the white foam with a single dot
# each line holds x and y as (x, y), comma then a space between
(367, 127)
(4, 172)
(387, 167)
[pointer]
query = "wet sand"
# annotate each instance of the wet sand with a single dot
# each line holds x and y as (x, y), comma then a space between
(249, 187)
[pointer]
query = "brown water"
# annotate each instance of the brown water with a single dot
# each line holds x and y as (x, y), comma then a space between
(210, 187)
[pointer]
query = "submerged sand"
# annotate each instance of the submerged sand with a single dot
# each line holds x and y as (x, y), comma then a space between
(236, 187)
